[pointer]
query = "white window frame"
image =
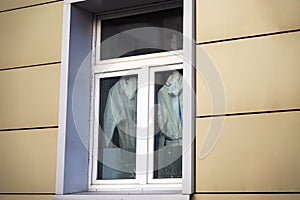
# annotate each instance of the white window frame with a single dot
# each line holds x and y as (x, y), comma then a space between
(145, 72)
(140, 65)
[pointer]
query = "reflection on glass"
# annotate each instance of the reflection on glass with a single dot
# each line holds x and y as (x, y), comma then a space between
(168, 128)
(117, 137)
(133, 35)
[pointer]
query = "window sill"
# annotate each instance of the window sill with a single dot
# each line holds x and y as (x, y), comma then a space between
(106, 196)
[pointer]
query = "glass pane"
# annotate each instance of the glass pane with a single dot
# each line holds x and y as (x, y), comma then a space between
(168, 126)
(137, 37)
(117, 137)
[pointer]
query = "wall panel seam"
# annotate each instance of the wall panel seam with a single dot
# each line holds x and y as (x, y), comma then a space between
(250, 113)
(249, 37)
(27, 194)
(246, 193)
(29, 6)
(30, 66)
(29, 128)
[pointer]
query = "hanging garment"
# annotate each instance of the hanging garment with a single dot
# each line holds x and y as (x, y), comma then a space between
(170, 123)
(170, 108)
(120, 112)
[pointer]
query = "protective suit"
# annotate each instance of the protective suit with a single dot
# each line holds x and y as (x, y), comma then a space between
(170, 108)
(120, 112)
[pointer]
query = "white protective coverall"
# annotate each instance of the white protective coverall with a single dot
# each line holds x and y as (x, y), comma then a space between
(120, 112)
(169, 110)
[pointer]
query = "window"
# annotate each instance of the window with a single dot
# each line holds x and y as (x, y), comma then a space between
(138, 100)
(88, 73)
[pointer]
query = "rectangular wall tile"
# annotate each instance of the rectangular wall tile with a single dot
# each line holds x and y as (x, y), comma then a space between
(254, 153)
(218, 20)
(31, 36)
(25, 197)
(29, 97)
(12, 4)
(28, 161)
(245, 196)
(257, 74)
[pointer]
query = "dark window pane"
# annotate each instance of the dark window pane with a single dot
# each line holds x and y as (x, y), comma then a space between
(117, 136)
(142, 34)
(168, 128)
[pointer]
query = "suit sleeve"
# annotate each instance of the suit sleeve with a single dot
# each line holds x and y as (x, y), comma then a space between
(109, 123)
(161, 113)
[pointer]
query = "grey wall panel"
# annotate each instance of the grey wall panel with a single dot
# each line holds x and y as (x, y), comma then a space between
(77, 131)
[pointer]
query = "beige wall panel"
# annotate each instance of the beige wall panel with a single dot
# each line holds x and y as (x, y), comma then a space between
(26, 197)
(31, 36)
(29, 97)
(245, 196)
(254, 153)
(258, 74)
(28, 161)
(12, 4)
(235, 18)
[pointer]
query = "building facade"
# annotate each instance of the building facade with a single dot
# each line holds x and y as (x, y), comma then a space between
(247, 95)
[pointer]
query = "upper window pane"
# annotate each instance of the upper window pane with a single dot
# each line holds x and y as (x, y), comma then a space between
(142, 34)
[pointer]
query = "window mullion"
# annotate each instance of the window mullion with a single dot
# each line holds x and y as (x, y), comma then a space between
(96, 127)
(151, 110)
(142, 126)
